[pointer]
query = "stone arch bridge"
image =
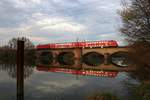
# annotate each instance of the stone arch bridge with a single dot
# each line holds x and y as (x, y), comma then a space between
(107, 58)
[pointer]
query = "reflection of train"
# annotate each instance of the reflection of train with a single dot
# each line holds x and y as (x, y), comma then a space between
(88, 44)
(79, 72)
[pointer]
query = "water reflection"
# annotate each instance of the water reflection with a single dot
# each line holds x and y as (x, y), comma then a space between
(78, 72)
(11, 69)
(53, 84)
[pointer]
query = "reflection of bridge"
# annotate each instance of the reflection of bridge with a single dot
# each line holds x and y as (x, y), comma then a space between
(111, 74)
(99, 55)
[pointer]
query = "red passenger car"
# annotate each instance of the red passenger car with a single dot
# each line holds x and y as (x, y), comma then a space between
(88, 44)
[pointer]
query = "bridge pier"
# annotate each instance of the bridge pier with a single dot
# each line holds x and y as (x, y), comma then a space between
(106, 58)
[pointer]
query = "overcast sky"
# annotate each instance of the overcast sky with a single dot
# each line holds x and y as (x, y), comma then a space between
(49, 21)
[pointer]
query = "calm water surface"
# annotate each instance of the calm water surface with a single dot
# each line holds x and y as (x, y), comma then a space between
(40, 85)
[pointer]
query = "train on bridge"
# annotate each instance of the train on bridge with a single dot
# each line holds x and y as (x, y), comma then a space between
(87, 44)
(97, 55)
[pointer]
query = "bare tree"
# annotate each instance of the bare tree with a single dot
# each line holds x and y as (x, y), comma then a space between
(9, 53)
(136, 20)
(136, 28)
(13, 43)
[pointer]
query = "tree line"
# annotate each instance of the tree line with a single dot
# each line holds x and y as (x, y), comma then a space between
(8, 52)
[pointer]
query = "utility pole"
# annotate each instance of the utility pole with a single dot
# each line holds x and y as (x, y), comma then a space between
(20, 70)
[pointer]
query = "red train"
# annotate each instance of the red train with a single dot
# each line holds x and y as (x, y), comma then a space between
(88, 44)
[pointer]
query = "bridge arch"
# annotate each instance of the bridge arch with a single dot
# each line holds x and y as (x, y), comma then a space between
(93, 58)
(121, 59)
(66, 58)
(45, 57)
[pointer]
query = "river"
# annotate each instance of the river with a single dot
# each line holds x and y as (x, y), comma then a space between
(48, 85)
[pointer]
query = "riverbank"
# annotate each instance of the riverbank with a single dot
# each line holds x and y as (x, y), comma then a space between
(138, 92)
(142, 91)
(102, 96)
